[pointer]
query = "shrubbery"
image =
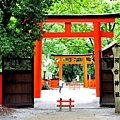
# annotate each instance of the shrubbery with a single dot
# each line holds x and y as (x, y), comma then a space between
(45, 87)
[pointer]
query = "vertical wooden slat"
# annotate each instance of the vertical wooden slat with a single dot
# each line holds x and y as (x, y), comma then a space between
(18, 85)
(106, 83)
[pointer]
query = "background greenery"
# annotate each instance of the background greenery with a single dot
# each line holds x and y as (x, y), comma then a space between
(81, 45)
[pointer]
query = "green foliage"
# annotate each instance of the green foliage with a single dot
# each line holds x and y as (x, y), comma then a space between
(91, 69)
(81, 45)
(45, 87)
(19, 27)
(70, 72)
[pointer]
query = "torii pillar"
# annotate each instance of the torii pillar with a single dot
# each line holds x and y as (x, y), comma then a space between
(37, 68)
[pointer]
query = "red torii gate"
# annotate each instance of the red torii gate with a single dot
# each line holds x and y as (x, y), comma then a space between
(60, 62)
(96, 33)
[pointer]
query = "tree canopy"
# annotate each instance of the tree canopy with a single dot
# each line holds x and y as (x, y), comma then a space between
(19, 26)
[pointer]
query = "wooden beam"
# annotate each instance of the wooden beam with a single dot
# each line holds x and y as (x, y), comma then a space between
(75, 34)
(81, 62)
(78, 20)
(72, 56)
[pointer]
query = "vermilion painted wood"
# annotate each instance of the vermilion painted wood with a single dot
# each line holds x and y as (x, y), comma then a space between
(65, 106)
(68, 20)
(78, 20)
(85, 62)
(60, 68)
(97, 50)
(67, 34)
(72, 55)
(69, 103)
(37, 69)
(65, 100)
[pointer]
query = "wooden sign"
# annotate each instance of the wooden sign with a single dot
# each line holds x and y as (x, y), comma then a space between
(116, 72)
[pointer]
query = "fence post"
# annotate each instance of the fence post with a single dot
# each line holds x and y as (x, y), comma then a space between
(70, 104)
(60, 104)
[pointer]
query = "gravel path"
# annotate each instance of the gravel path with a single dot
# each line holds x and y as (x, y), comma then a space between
(75, 114)
(86, 107)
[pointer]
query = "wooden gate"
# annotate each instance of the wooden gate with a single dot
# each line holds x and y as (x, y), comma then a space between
(107, 82)
(17, 82)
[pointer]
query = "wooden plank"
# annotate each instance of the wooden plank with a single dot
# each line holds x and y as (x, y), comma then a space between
(65, 100)
(18, 87)
(65, 105)
(116, 72)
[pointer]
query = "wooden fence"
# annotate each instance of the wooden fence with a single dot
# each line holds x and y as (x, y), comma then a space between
(68, 103)
(73, 85)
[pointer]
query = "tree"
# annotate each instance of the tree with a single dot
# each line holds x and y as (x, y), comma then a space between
(19, 26)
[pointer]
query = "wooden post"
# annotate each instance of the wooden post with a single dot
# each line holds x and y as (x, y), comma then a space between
(37, 69)
(68, 28)
(60, 104)
(85, 73)
(116, 72)
(60, 68)
(70, 103)
(97, 49)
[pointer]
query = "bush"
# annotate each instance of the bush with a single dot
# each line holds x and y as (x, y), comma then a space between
(45, 87)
